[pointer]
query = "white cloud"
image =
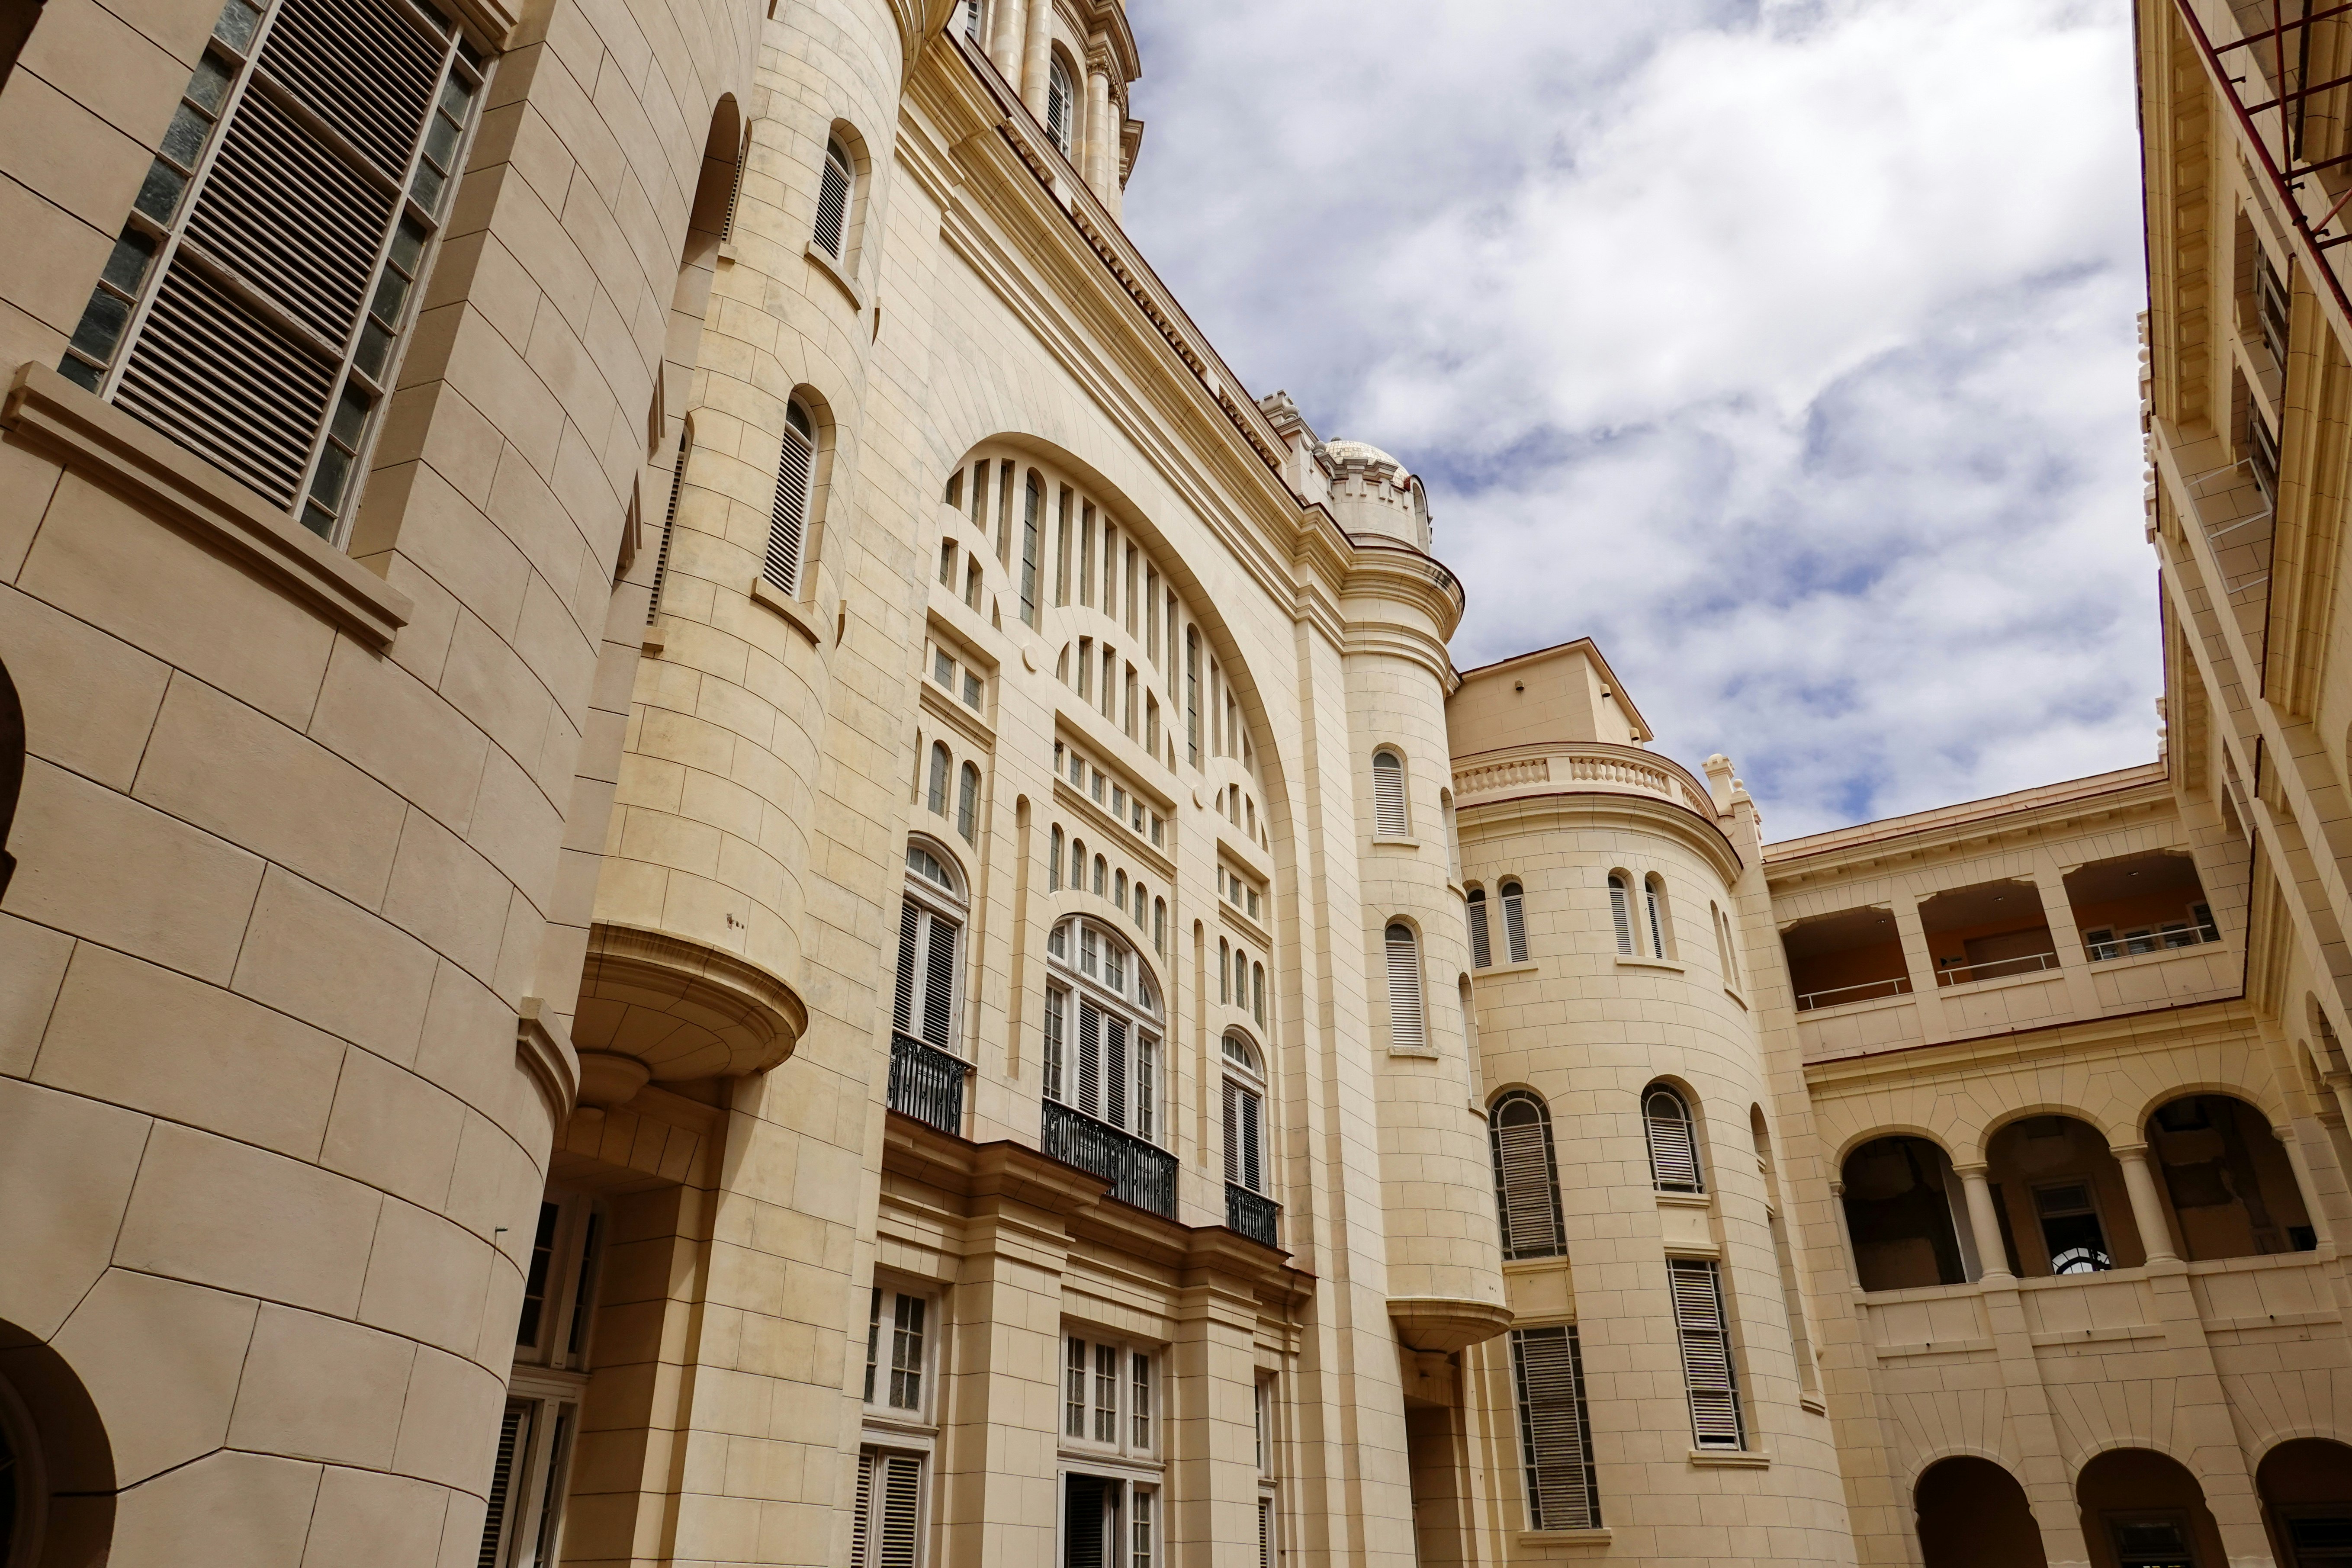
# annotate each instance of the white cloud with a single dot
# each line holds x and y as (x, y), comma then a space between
(1796, 340)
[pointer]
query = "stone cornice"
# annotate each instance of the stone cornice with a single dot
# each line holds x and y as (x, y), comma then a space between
(1549, 809)
(1955, 827)
(1975, 1055)
(545, 1051)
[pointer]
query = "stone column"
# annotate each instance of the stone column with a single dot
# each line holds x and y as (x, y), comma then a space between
(2148, 1204)
(1036, 53)
(1985, 1221)
(1008, 19)
(2312, 1207)
(1101, 164)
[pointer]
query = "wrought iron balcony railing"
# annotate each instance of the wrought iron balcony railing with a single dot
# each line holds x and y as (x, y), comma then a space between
(1140, 1174)
(1251, 1213)
(927, 1083)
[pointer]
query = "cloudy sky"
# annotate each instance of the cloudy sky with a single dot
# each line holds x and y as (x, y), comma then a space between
(1786, 347)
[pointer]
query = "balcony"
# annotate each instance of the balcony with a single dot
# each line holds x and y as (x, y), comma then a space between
(1251, 1213)
(1138, 1173)
(927, 1083)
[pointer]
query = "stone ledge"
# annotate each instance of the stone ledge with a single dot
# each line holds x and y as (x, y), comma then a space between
(794, 613)
(1557, 1539)
(102, 442)
(832, 268)
(1730, 1459)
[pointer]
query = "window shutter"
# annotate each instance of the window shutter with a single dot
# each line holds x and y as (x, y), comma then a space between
(1620, 914)
(1674, 1154)
(939, 983)
(1387, 795)
(670, 522)
(1057, 107)
(514, 1437)
(1405, 1032)
(788, 519)
(1253, 1118)
(1266, 1532)
(861, 1520)
(902, 1016)
(1657, 920)
(968, 804)
(1706, 1353)
(1481, 952)
(902, 1496)
(1523, 1184)
(833, 201)
(1115, 1071)
(1232, 1132)
(1514, 924)
(1089, 1058)
(1553, 1430)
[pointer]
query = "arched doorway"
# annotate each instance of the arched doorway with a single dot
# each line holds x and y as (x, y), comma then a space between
(56, 1465)
(2060, 1199)
(2306, 1492)
(2144, 1509)
(1973, 1515)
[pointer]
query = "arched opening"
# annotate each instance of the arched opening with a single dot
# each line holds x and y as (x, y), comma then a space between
(2061, 1200)
(1673, 1141)
(2307, 1492)
(56, 1465)
(2142, 1509)
(2229, 1188)
(1903, 1213)
(1973, 1515)
(1527, 1177)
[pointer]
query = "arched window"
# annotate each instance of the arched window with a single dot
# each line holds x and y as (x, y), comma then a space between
(1241, 978)
(1102, 1052)
(1225, 971)
(930, 930)
(1620, 911)
(1258, 991)
(1654, 900)
(1407, 1029)
(788, 518)
(1032, 532)
(833, 200)
(1245, 1107)
(1159, 926)
(938, 798)
(1388, 817)
(967, 804)
(1526, 1182)
(1118, 890)
(1482, 948)
(1061, 104)
(1102, 875)
(1673, 1146)
(1054, 860)
(1515, 923)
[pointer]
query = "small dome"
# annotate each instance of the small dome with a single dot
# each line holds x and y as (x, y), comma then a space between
(1364, 452)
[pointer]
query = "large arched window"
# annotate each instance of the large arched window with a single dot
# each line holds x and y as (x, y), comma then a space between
(788, 518)
(1620, 911)
(930, 935)
(1526, 1182)
(1482, 944)
(1245, 1109)
(1102, 1053)
(833, 200)
(1408, 1027)
(1673, 1142)
(1515, 922)
(1390, 818)
(1061, 104)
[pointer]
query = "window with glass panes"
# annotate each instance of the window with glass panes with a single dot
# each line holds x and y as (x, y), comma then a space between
(1102, 1048)
(1109, 1395)
(896, 1328)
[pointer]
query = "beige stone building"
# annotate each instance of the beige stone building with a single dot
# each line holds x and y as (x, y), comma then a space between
(720, 860)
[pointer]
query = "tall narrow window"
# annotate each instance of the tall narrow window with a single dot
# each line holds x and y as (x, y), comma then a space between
(1061, 102)
(938, 800)
(833, 200)
(1244, 1120)
(1062, 550)
(1160, 925)
(1653, 902)
(968, 12)
(1193, 695)
(1258, 991)
(968, 804)
(1515, 922)
(1555, 1436)
(1722, 945)
(1407, 1030)
(1526, 1181)
(670, 522)
(1389, 819)
(252, 308)
(1054, 860)
(1620, 911)
(1086, 553)
(884, 1525)
(1674, 1147)
(1706, 1353)
(1031, 525)
(930, 926)
(1481, 951)
(788, 517)
(1225, 971)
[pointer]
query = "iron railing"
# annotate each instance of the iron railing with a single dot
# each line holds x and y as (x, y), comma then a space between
(1138, 1173)
(927, 1083)
(1995, 969)
(1893, 985)
(1250, 1214)
(2156, 939)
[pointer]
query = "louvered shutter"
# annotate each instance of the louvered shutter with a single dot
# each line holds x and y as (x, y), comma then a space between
(1232, 1132)
(902, 1016)
(1482, 951)
(514, 1437)
(1266, 1532)
(1657, 920)
(788, 518)
(1405, 1030)
(1620, 915)
(939, 983)
(971, 19)
(1115, 1071)
(901, 1510)
(861, 1519)
(1514, 924)
(1674, 1154)
(1249, 1116)
(1553, 1430)
(1524, 1186)
(1055, 1011)
(669, 524)
(1706, 1353)
(1387, 795)
(1089, 1058)
(833, 201)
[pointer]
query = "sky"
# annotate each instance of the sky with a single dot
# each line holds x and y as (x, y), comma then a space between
(1786, 349)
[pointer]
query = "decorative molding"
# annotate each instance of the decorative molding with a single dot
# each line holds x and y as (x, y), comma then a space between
(1724, 1459)
(795, 613)
(106, 445)
(833, 268)
(683, 1009)
(545, 1051)
(1446, 1323)
(956, 716)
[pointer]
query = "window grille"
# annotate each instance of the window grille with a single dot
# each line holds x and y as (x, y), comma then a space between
(1482, 951)
(833, 200)
(253, 306)
(788, 517)
(669, 523)
(1515, 923)
(1674, 1147)
(1620, 912)
(885, 1522)
(1387, 795)
(1555, 1436)
(1526, 1182)
(1406, 1032)
(1060, 101)
(1706, 1353)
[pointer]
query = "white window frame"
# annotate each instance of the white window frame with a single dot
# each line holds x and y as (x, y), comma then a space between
(566, 1319)
(1392, 800)
(1620, 912)
(1083, 956)
(1085, 1446)
(1514, 898)
(1408, 1013)
(1482, 940)
(793, 507)
(833, 170)
(873, 1458)
(1658, 908)
(532, 1478)
(889, 1308)
(1244, 1085)
(933, 905)
(1673, 1141)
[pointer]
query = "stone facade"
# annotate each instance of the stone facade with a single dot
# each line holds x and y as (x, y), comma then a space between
(778, 885)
